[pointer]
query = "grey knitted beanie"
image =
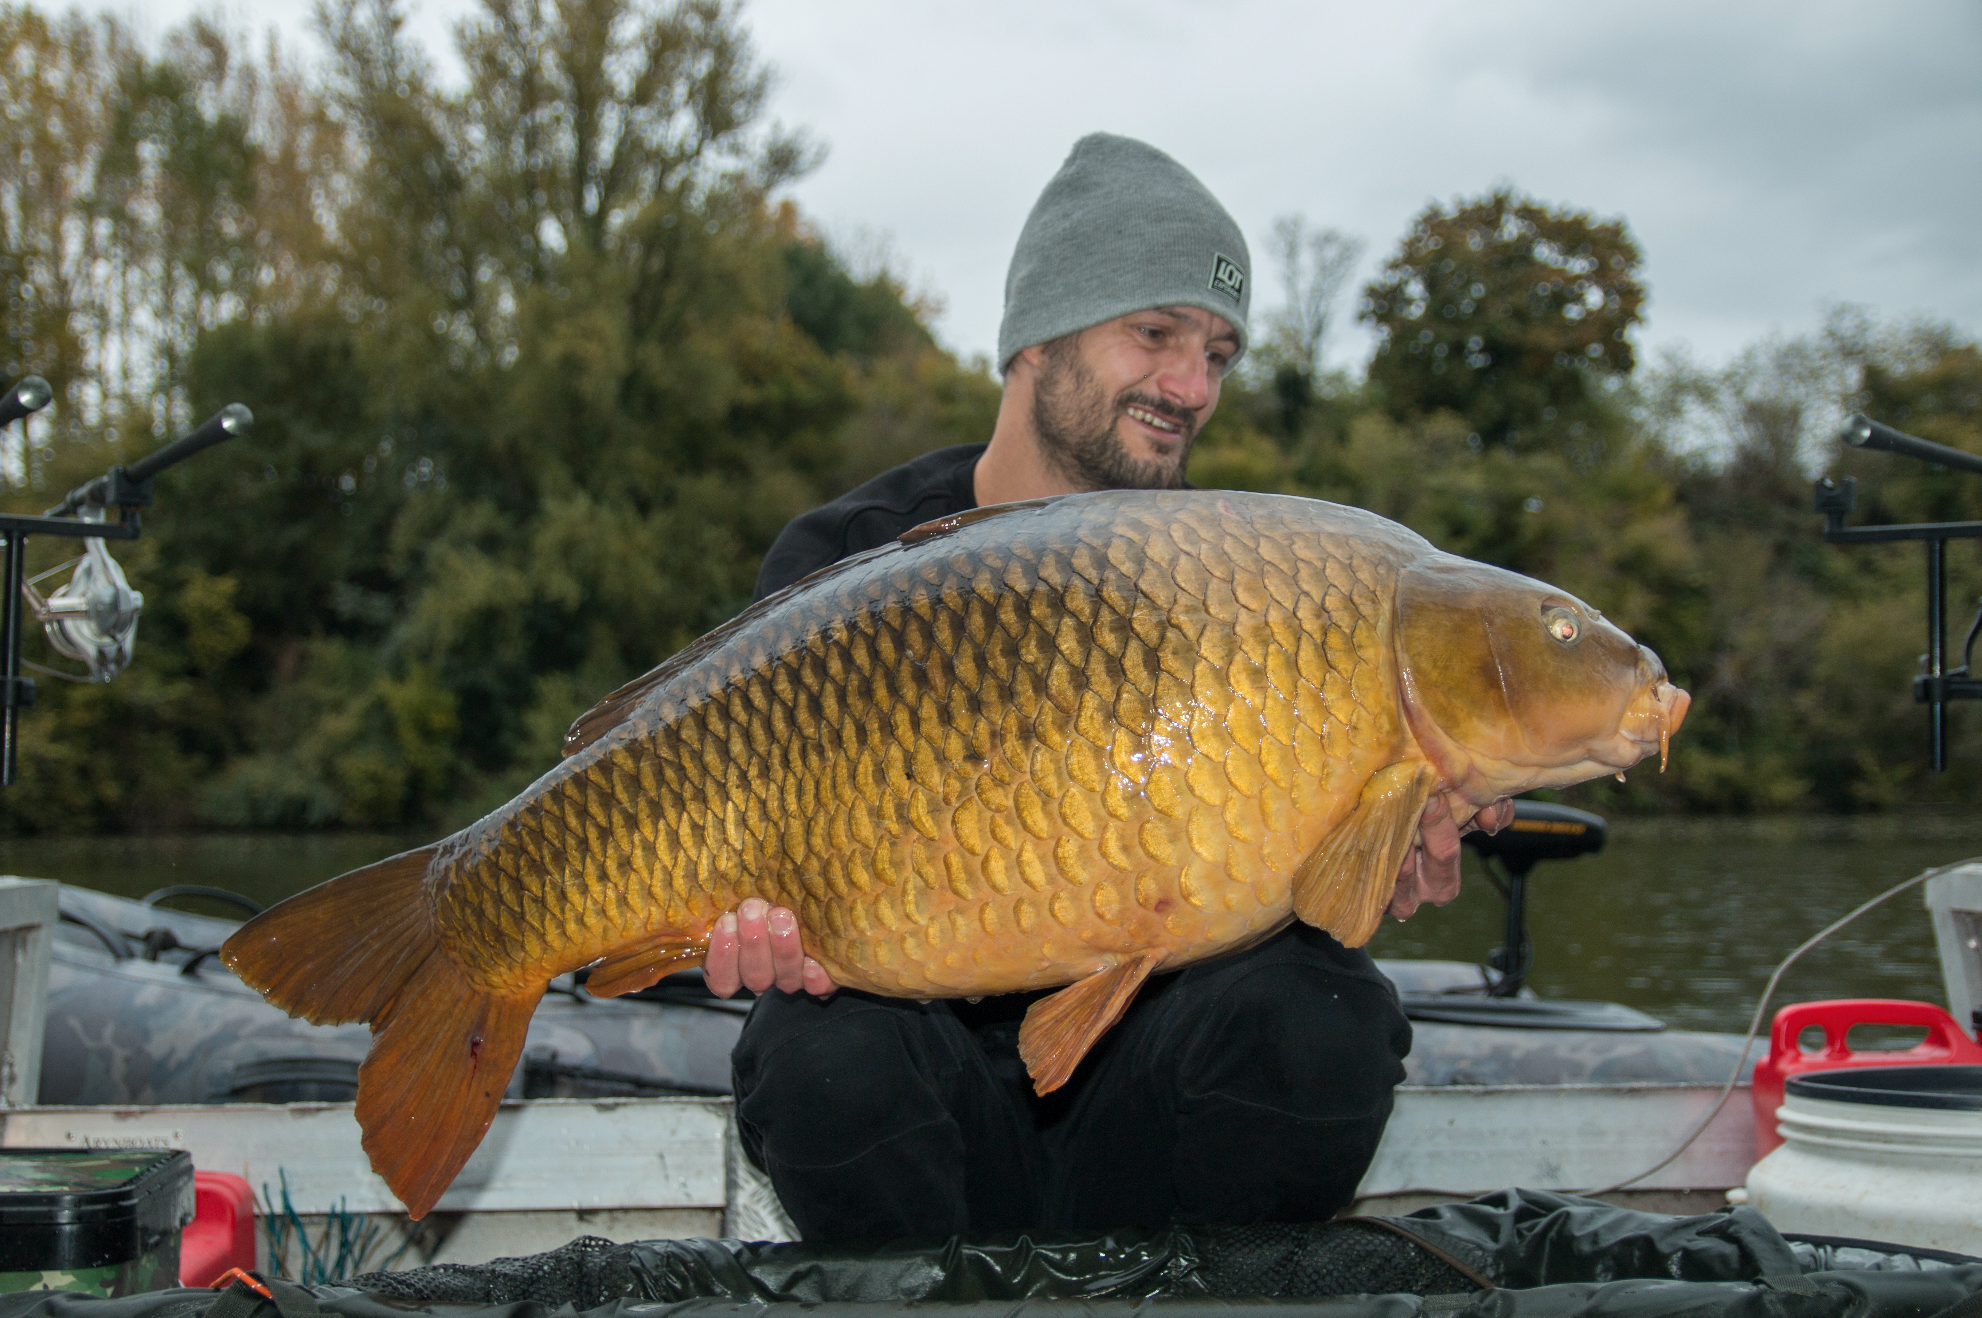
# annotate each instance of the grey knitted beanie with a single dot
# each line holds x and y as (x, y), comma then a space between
(1121, 228)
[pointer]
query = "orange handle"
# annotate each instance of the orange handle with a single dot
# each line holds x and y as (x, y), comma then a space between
(1835, 1018)
(248, 1279)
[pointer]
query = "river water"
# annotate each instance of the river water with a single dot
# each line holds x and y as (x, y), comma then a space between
(1683, 919)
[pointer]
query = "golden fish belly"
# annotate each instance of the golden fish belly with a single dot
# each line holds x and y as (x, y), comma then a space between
(1000, 758)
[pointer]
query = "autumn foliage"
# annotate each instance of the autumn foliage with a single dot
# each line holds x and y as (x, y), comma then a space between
(541, 365)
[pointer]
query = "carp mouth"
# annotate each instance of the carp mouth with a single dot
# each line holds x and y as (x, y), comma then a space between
(1651, 719)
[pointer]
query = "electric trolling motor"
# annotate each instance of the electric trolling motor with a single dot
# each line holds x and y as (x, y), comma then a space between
(1937, 684)
(93, 617)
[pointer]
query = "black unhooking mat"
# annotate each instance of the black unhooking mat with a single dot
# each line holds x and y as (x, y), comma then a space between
(1516, 1254)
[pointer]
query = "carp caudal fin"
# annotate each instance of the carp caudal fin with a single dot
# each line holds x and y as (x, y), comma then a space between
(1348, 881)
(442, 1053)
(1059, 1030)
(363, 947)
(339, 952)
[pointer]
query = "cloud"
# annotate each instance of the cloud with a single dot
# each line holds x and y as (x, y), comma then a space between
(1771, 157)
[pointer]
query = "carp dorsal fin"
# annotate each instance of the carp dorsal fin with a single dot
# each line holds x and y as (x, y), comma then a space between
(942, 526)
(603, 717)
(1346, 884)
(610, 712)
(1058, 1030)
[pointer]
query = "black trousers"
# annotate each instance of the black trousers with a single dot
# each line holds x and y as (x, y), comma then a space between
(1250, 1088)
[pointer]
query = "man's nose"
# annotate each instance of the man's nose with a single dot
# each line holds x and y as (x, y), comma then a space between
(1186, 378)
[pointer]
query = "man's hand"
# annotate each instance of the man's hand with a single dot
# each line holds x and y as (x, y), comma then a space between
(1430, 872)
(757, 946)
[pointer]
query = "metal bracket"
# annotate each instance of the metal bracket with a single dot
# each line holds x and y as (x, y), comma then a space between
(1949, 686)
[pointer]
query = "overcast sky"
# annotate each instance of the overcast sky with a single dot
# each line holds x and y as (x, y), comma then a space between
(1771, 158)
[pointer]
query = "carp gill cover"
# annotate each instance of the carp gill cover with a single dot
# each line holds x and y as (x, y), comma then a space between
(1071, 741)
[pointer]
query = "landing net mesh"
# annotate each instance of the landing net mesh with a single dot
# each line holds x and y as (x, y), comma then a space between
(1272, 1260)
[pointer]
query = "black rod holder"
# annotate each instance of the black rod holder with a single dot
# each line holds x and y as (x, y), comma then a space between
(1514, 953)
(1937, 684)
(127, 489)
(27, 397)
(1863, 432)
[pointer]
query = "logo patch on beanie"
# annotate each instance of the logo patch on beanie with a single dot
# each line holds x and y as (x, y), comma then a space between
(1227, 277)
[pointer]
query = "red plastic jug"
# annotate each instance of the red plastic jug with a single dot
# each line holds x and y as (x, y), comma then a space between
(1945, 1043)
(222, 1232)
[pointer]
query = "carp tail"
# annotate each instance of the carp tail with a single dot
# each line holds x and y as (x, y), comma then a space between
(1344, 886)
(443, 1050)
(337, 953)
(364, 947)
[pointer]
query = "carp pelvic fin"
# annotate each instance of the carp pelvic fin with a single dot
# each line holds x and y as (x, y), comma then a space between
(1348, 881)
(363, 948)
(634, 968)
(1059, 1030)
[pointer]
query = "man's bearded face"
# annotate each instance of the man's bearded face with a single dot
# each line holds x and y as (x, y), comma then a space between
(1078, 422)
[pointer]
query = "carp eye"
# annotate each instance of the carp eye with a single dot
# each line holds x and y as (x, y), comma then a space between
(1562, 625)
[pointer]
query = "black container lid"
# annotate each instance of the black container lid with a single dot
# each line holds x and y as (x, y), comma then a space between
(68, 1208)
(1949, 1088)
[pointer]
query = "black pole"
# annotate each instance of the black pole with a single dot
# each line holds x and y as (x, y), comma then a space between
(1937, 611)
(1517, 936)
(10, 664)
(1863, 432)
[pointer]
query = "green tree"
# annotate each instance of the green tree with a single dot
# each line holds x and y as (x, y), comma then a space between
(531, 400)
(1508, 313)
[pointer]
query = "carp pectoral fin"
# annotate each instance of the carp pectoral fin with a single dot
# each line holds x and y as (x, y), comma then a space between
(635, 968)
(1058, 1030)
(1348, 881)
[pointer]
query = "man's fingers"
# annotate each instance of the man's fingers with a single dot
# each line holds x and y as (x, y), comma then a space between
(1498, 815)
(1437, 834)
(787, 952)
(719, 970)
(757, 946)
(753, 936)
(1405, 897)
(1438, 881)
(817, 982)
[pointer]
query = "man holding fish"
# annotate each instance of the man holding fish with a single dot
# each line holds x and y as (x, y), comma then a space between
(1020, 744)
(1254, 1086)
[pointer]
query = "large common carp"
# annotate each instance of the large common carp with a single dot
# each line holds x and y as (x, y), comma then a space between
(1063, 742)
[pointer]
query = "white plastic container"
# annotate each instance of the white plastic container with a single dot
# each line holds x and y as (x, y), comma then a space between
(1890, 1153)
(1954, 900)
